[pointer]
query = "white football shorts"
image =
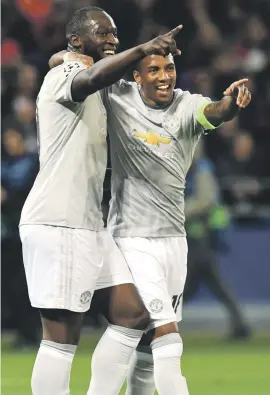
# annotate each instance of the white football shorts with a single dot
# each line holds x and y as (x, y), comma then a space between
(64, 266)
(159, 270)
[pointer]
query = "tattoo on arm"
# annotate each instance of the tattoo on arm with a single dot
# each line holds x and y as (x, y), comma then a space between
(221, 111)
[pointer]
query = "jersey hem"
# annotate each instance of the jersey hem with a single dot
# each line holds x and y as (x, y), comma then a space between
(93, 229)
(151, 236)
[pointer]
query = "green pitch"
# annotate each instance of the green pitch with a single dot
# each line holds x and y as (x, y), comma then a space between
(212, 367)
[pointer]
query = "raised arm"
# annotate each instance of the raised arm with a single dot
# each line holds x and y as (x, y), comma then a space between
(109, 70)
(104, 73)
(236, 97)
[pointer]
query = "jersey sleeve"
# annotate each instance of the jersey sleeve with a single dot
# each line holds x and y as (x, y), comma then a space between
(201, 118)
(60, 80)
(195, 105)
(199, 103)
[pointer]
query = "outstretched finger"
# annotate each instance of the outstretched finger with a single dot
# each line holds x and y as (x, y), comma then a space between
(240, 82)
(228, 91)
(246, 98)
(176, 30)
(240, 96)
(174, 50)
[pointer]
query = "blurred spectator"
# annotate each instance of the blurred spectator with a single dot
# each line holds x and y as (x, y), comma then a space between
(17, 175)
(220, 143)
(243, 160)
(242, 174)
(206, 219)
(18, 172)
(27, 81)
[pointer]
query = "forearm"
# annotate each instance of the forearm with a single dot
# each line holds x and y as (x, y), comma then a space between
(221, 111)
(104, 73)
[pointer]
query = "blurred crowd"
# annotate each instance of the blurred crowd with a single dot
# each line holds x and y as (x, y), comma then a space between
(221, 42)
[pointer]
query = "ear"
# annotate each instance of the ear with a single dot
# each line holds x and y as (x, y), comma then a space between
(75, 41)
(137, 77)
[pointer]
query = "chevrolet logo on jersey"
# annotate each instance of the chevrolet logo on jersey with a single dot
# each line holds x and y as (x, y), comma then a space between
(152, 138)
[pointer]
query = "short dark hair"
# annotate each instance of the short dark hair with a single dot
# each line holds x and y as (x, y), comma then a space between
(137, 66)
(78, 19)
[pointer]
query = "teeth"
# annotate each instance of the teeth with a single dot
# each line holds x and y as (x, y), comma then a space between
(109, 52)
(163, 87)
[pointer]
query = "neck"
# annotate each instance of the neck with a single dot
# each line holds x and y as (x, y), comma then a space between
(70, 48)
(157, 106)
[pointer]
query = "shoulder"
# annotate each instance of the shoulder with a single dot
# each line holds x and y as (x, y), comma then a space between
(63, 72)
(124, 86)
(119, 89)
(188, 96)
(57, 82)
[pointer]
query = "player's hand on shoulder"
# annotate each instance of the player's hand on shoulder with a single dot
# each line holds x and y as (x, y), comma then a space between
(76, 57)
(163, 44)
(240, 91)
(66, 56)
(57, 59)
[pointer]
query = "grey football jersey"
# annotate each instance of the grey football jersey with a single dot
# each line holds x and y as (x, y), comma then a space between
(151, 152)
(73, 155)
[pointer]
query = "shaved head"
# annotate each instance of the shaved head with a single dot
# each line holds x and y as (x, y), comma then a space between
(92, 32)
(81, 18)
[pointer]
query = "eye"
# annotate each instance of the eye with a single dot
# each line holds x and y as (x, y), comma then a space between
(102, 34)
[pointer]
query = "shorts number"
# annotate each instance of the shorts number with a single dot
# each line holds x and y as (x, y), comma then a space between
(176, 299)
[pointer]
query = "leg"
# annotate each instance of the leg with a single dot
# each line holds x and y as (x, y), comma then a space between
(140, 378)
(61, 333)
(160, 282)
(122, 305)
(127, 316)
(167, 348)
(62, 266)
(213, 280)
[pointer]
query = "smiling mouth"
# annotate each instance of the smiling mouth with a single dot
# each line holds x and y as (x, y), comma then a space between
(109, 52)
(163, 88)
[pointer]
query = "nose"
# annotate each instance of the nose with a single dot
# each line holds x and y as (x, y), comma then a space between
(112, 39)
(163, 75)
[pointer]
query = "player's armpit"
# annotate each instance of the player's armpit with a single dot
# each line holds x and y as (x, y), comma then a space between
(216, 113)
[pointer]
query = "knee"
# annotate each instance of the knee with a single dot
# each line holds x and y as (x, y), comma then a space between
(61, 326)
(141, 319)
(136, 319)
(165, 329)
